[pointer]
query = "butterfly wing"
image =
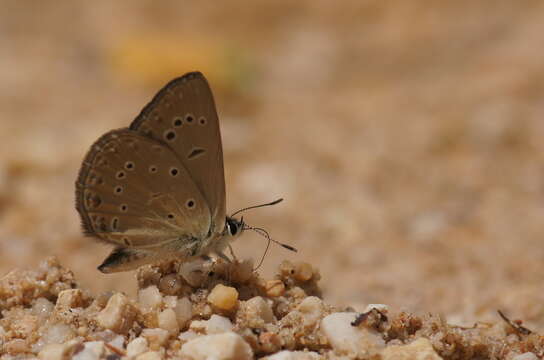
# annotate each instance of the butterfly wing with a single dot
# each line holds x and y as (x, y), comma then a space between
(135, 193)
(183, 116)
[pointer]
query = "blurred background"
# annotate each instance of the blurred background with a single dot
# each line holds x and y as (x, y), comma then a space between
(405, 137)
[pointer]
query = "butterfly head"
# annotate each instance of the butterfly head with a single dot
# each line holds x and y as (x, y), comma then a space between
(234, 227)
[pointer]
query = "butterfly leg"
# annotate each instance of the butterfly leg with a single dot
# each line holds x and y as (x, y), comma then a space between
(224, 257)
(232, 254)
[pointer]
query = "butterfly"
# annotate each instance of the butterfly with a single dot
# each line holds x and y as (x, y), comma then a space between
(156, 190)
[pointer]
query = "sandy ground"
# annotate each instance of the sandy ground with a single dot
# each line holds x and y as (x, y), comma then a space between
(405, 137)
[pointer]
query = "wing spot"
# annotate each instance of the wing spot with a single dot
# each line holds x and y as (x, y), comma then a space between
(114, 223)
(170, 216)
(196, 152)
(174, 172)
(177, 121)
(101, 224)
(157, 119)
(93, 200)
(202, 121)
(153, 169)
(120, 175)
(118, 190)
(94, 179)
(190, 204)
(123, 207)
(126, 241)
(189, 118)
(129, 165)
(170, 135)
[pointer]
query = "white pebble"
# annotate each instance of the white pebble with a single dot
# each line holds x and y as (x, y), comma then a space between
(348, 339)
(184, 311)
(257, 306)
(69, 298)
(52, 352)
(118, 342)
(155, 337)
(137, 346)
(58, 351)
(194, 272)
(380, 307)
(42, 307)
(226, 346)
(170, 301)
(117, 315)
(168, 321)
(312, 310)
(294, 355)
(57, 334)
(92, 350)
(215, 325)
(150, 355)
(149, 298)
(420, 349)
(525, 356)
(188, 335)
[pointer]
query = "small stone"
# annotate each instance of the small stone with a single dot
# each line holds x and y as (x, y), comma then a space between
(294, 355)
(92, 350)
(24, 326)
(137, 346)
(170, 301)
(42, 308)
(52, 352)
(184, 311)
(57, 334)
(259, 307)
(168, 321)
(149, 355)
(170, 284)
(270, 342)
(149, 298)
(215, 325)
(156, 338)
(420, 349)
(194, 272)
(117, 342)
(223, 297)
(525, 356)
(118, 315)
(303, 271)
(312, 310)
(188, 335)
(16, 346)
(242, 271)
(227, 346)
(58, 351)
(347, 339)
(380, 307)
(274, 288)
(71, 298)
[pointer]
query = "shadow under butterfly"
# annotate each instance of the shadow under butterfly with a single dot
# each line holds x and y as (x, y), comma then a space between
(156, 190)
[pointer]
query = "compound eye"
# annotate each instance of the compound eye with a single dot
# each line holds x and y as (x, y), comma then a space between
(233, 229)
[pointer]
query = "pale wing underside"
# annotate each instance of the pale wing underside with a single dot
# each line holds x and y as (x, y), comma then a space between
(134, 192)
(183, 116)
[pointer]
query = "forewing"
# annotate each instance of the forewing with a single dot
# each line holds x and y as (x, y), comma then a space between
(134, 192)
(183, 116)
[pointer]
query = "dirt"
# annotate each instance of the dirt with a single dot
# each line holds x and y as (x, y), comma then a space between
(404, 137)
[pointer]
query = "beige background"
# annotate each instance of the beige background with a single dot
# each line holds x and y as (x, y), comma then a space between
(406, 137)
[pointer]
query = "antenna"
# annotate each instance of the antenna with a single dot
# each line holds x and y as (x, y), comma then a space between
(265, 234)
(258, 206)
